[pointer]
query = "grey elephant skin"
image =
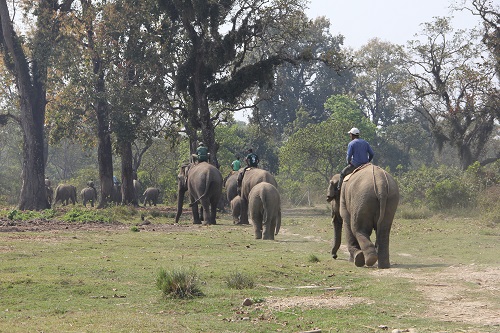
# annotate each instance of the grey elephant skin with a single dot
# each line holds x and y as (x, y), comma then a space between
(236, 208)
(203, 181)
(253, 176)
(137, 190)
(88, 194)
(231, 186)
(367, 202)
(151, 195)
(264, 209)
(65, 193)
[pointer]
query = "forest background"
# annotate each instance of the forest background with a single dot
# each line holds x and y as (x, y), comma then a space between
(93, 89)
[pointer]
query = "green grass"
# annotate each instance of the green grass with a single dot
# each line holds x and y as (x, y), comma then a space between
(106, 280)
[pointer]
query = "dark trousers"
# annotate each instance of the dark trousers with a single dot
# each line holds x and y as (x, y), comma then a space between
(347, 170)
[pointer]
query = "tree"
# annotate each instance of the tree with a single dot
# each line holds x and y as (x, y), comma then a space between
(316, 152)
(300, 89)
(217, 58)
(30, 71)
(454, 87)
(380, 81)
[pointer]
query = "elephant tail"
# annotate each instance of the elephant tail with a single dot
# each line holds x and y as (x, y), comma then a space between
(382, 193)
(207, 189)
(278, 223)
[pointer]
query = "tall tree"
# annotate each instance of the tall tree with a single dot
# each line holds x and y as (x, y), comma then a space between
(300, 89)
(30, 72)
(455, 88)
(217, 65)
(380, 80)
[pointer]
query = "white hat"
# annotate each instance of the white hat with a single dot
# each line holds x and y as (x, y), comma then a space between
(354, 131)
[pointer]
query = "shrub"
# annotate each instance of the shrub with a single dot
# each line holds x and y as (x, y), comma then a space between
(448, 193)
(413, 212)
(79, 215)
(239, 281)
(178, 284)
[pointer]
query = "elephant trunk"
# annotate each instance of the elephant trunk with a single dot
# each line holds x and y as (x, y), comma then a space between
(180, 202)
(337, 229)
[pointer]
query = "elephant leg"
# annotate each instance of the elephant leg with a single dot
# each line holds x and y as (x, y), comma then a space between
(244, 212)
(257, 220)
(213, 212)
(382, 245)
(353, 246)
(206, 214)
(268, 228)
(196, 214)
(368, 248)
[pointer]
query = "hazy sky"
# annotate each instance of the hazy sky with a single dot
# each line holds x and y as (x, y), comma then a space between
(394, 21)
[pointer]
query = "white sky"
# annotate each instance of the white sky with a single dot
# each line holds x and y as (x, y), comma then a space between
(394, 21)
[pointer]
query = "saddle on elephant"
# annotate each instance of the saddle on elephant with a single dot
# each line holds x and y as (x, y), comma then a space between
(356, 170)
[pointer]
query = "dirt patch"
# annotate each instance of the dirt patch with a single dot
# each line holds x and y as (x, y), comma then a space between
(465, 293)
(323, 301)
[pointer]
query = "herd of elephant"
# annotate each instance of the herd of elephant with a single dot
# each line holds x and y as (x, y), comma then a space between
(367, 202)
(66, 194)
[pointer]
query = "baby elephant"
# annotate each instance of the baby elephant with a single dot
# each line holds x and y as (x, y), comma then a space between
(88, 194)
(236, 209)
(264, 209)
(151, 196)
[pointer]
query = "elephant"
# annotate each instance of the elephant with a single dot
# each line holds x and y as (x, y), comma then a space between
(203, 181)
(65, 193)
(236, 208)
(250, 178)
(151, 196)
(231, 185)
(116, 194)
(88, 194)
(367, 201)
(264, 209)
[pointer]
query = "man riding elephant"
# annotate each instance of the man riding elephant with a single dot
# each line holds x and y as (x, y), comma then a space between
(359, 152)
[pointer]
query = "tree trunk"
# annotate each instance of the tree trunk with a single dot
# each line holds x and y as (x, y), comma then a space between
(128, 194)
(30, 81)
(104, 155)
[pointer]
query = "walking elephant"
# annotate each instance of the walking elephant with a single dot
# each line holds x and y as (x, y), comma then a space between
(88, 194)
(367, 201)
(264, 209)
(236, 209)
(65, 193)
(231, 186)
(250, 178)
(203, 181)
(151, 196)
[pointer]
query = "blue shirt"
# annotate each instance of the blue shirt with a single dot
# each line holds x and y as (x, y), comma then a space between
(359, 152)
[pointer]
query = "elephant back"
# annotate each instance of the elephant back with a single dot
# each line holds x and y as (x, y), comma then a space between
(372, 181)
(253, 177)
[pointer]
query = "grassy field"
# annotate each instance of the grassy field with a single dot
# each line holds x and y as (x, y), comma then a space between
(101, 277)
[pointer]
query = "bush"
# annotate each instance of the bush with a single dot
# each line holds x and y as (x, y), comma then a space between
(79, 215)
(489, 205)
(449, 193)
(178, 284)
(239, 281)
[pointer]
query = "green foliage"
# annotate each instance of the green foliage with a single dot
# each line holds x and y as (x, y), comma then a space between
(413, 212)
(178, 283)
(238, 280)
(17, 215)
(134, 229)
(82, 215)
(448, 193)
